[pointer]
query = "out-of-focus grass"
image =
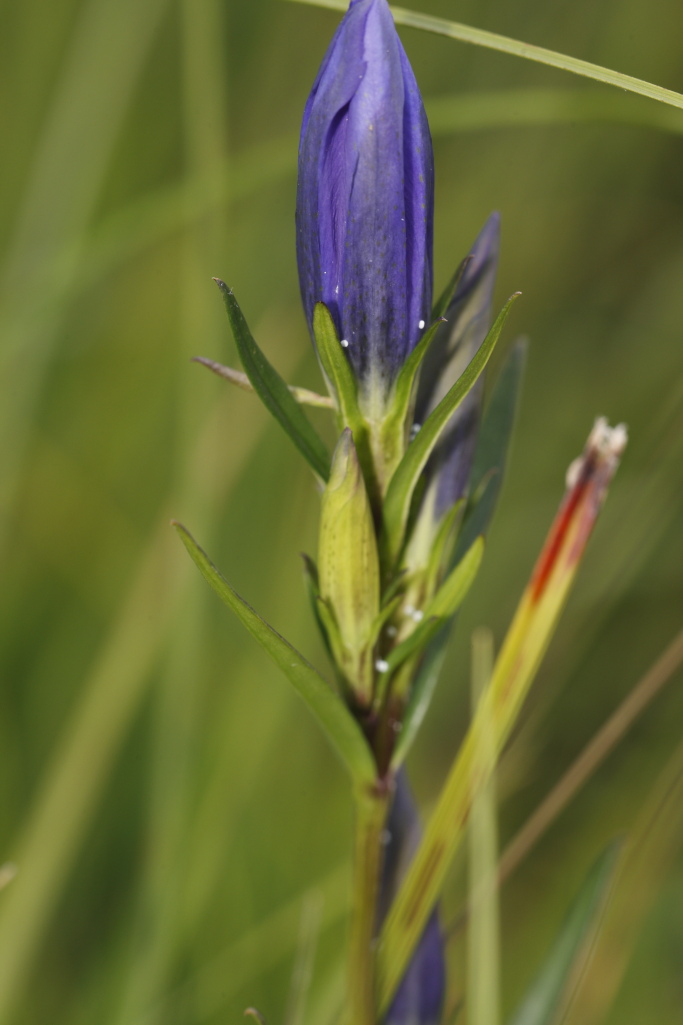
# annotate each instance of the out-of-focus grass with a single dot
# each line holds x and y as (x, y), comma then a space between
(170, 806)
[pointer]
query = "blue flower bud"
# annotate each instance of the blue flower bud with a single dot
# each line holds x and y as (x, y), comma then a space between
(420, 996)
(365, 199)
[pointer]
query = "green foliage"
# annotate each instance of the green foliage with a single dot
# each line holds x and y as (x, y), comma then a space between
(156, 779)
(337, 369)
(561, 969)
(338, 725)
(404, 481)
(272, 390)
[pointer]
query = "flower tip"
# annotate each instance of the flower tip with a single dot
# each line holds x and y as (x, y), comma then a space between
(222, 285)
(605, 446)
(608, 441)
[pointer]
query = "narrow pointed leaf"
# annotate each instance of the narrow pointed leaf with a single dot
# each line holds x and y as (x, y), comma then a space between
(560, 972)
(336, 366)
(313, 592)
(452, 592)
(421, 694)
(272, 390)
(405, 383)
(416, 642)
(444, 604)
(520, 656)
(493, 446)
(342, 383)
(402, 486)
(443, 543)
(651, 857)
(444, 301)
(489, 466)
(385, 614)
(336, 721)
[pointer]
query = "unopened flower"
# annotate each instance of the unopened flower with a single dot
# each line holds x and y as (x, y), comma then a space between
(349, 568)
(365, 199)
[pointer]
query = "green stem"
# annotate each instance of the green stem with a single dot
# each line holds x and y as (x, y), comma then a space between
(371, 811)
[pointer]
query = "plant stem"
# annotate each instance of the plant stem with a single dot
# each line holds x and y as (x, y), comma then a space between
(371, 811)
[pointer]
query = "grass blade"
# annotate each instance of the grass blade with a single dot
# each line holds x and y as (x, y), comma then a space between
(516, 48)
(593, 755)
(483, 938)
(519, 658)
(560, 973)
(651, 854)
(336, 721)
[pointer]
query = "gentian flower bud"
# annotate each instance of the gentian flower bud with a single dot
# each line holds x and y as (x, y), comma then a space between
(419, 998)
(365, 200)
(348, 566)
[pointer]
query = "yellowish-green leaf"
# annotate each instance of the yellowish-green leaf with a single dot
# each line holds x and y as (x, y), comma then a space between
(337, 722)
(526, 641)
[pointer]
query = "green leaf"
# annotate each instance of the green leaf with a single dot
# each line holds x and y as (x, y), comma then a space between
(337, 722)
(272, 390)
(488, 474)
(313, 592)
(385, 614)
(493, 445)
(444, 301)
(452, 592)
(442, 547)
(421, 695)
(336, 367)
(402, 485)
(493, 41)
(445, 603)
(559, 974)
(395, 422)
(339, 374)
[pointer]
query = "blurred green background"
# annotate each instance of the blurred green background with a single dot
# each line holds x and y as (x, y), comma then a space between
(178, 822)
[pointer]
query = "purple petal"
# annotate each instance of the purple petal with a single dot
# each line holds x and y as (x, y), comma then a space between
(365, 196)
(419, 998)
